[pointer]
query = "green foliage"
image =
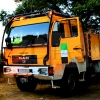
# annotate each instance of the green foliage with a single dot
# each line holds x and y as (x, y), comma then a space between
(33, 5)
(3, 15)
(25, 7)
(87, 10)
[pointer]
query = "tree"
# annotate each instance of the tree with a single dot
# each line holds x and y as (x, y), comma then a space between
(31, 5)
(87, 10)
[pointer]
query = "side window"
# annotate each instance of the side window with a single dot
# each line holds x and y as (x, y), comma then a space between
(71, 29)
(74, 31)
(58, 31)
(58, 28)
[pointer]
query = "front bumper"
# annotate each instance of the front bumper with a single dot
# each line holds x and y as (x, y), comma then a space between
(40, 72)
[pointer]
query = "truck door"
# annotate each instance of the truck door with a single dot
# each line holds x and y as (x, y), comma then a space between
(66, 42)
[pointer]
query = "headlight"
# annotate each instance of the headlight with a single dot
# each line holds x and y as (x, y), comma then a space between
(43, 71)
(7, 69)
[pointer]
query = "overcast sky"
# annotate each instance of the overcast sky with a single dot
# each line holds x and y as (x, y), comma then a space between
(9, 6)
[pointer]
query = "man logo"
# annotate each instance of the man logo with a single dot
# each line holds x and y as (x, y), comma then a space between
(23, 59)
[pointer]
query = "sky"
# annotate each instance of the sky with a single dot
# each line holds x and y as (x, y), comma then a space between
(9, 6)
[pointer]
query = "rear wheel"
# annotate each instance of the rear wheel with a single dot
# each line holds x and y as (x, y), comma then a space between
(26, 84)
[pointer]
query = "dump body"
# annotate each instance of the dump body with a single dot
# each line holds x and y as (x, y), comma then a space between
(93, 45)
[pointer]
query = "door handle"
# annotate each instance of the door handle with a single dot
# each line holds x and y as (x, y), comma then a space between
(77, 48)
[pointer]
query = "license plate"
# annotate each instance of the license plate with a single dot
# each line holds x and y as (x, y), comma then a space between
(23, 70)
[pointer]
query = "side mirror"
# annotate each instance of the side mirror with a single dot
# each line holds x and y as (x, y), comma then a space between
(8, 42)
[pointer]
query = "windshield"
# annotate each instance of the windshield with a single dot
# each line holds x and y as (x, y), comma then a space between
(29, 35)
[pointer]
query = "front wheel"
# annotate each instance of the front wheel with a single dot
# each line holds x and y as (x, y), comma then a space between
(69, 84)
(26, 84)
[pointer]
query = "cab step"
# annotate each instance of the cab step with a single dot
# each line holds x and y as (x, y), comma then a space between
(81, 80)
(54, 87)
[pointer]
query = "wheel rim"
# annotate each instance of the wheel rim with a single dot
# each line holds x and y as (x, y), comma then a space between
(71, 82)
(23, 80)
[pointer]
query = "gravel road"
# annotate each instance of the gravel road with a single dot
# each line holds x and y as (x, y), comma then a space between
(45, 92)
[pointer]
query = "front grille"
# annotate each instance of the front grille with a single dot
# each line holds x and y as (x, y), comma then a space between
(27, 59)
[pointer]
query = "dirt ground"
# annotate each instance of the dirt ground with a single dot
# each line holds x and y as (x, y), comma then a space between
(45, 92)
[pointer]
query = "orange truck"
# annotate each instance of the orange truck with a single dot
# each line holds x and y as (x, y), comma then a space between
(49, 46)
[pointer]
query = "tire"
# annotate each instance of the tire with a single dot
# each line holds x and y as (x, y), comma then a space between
(69, 84)
(26, 84)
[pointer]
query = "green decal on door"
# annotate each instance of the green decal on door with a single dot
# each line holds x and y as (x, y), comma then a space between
(64, 52)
